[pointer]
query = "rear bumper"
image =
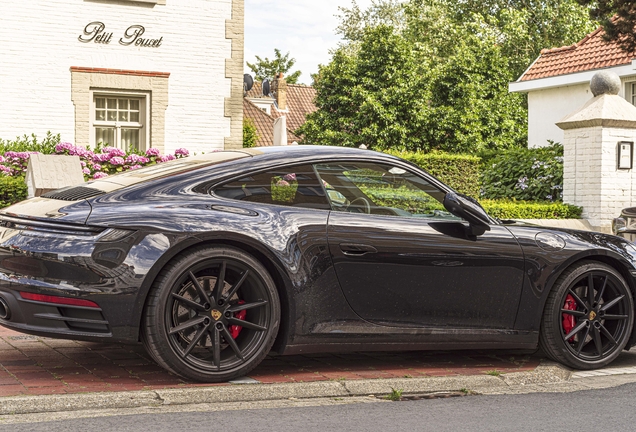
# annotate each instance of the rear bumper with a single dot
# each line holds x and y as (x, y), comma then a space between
(49, 319)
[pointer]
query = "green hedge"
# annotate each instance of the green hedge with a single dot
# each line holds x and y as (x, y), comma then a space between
(31, 143)
(530, 210)
(459, 171)
(12, 190)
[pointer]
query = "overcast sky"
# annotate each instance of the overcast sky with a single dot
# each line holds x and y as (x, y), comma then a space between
(305, 28)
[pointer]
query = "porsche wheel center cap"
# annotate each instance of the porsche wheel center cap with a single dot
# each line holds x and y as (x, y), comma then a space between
(592, 316)
(216, 314)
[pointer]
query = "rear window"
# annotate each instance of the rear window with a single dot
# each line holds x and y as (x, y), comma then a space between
(294, 186)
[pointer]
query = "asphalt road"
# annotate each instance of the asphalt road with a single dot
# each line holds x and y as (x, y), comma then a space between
(607, 409)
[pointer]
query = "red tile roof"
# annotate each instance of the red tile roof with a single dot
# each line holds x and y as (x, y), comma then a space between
(592, 52)
(264, 125)
(300, 102)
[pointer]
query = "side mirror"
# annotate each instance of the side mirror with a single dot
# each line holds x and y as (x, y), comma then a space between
(468, 209)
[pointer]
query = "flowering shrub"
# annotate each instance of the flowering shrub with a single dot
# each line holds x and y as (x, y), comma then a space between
(95, 164)
(524, 174)
(284, 189)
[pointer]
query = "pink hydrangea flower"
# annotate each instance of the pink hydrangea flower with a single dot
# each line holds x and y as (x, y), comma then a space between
(86, 171)
(282, 183)
(134, 167)
(115, 152)
(99, 175)
(97, 167)
(61, 147)
(290, 177)
(117, 160)
(136, 159)
(166, 158)
(6, 170)
(102, 157)
(153, 152)
(181, 152)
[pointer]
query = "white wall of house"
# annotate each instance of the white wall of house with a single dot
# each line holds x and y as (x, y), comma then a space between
(546, 107)
(39, 44)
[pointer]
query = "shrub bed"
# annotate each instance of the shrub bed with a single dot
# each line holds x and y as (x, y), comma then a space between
(12, 190)
(97, 163)
(31, 144)
(504, 209)
(524, 174)
(459, 171)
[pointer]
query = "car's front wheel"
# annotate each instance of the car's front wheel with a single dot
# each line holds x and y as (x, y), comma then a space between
(588, 316)
(212, 315)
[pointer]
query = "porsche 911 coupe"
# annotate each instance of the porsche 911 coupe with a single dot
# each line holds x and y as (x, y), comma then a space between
(214, 261)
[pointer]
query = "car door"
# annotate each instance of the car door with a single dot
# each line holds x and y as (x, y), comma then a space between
(402, 260)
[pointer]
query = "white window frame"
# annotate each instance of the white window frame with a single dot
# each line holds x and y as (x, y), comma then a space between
(630, 92)
(144, 116)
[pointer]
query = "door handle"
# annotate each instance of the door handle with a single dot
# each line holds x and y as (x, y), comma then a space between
(355, 249)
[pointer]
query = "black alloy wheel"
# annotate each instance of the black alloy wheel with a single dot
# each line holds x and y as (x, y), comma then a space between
(588, 316)
(212, 315)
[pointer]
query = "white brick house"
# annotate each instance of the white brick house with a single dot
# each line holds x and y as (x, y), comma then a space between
(557, 83)
(132, 73)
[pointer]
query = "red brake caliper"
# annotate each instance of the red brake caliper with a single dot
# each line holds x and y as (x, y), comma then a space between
(235, 330)
(568, 320)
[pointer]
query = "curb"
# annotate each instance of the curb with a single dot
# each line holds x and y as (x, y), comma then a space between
(545, 373)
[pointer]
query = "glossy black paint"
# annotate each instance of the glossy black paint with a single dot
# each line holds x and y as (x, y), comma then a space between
(405, 283)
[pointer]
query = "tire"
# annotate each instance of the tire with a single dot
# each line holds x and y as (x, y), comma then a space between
(207, 331)
(587, 329)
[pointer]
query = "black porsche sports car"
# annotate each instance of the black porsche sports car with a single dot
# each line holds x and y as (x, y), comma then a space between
(213, 261)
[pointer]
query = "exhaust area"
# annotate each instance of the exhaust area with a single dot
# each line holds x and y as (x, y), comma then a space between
(5, 311)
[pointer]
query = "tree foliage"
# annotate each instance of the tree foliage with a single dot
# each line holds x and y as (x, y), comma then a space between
(618, 18)
(434, 74)
(267, 69)
(250, 134)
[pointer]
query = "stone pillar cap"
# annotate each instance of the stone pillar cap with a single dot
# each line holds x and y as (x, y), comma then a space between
(604, 110)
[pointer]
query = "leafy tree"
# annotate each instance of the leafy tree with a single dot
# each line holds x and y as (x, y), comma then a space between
(268, 69)
(618, 18)
(354, 20)
(434, 74)
(250, 135)
(387, 92)
(525, 27)
(369, 96)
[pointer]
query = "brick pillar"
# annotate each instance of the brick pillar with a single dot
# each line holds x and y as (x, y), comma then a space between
(591, 176)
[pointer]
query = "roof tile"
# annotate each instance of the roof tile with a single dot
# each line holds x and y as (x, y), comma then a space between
(592, 52)
(300, 102)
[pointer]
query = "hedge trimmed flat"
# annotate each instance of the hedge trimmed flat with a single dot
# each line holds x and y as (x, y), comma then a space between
(215, 261)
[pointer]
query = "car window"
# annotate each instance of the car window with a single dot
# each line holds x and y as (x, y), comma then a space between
(381, 189)
(296, 186)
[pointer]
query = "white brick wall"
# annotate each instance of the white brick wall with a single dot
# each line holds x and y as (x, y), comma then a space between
(39, 43)
(591, 179)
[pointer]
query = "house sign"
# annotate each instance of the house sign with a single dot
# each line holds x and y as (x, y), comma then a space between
(96, 32)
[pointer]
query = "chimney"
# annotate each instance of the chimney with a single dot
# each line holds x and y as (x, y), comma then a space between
(280, 91)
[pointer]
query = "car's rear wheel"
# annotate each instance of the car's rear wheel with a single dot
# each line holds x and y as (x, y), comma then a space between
(212, 315)
(588, 316)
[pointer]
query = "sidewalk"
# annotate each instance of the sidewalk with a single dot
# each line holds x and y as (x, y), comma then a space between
(31, 365)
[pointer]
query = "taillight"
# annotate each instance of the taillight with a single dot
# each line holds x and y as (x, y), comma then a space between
(58, 300)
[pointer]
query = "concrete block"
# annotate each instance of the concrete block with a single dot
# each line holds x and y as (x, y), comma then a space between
(49, 172)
